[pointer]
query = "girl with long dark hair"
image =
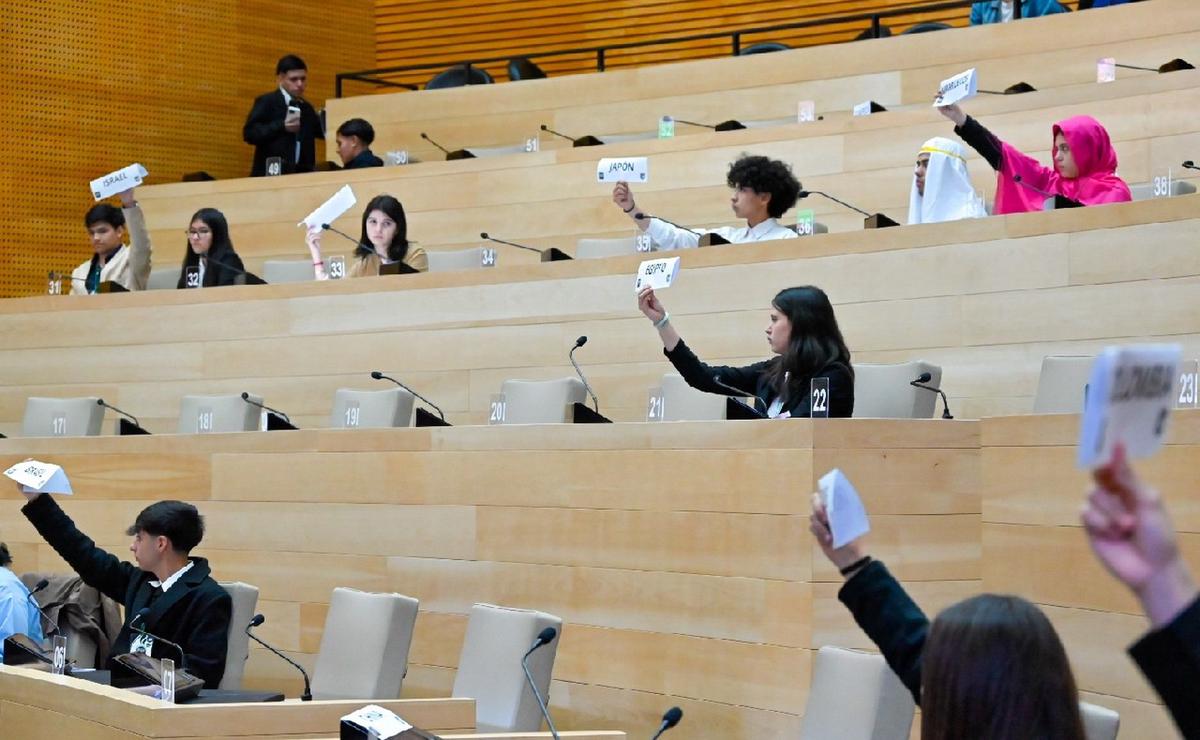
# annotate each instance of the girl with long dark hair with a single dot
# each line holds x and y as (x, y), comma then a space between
(804, 335)
(210, 251)
(384, 240)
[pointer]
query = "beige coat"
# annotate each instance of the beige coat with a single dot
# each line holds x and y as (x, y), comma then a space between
(369, 266)
(130, 265)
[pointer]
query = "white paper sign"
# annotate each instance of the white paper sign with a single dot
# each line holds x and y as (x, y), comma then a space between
(959, 87)
(118, 182)
(1130, 395)
(37, 476)
(377, 721)
(1106, 70)
(806, 112)
(342, 201)
(658, 274)
(629, 169)
(847, 516)
(863, 108)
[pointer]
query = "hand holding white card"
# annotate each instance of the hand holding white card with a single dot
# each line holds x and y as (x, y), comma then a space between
(36, 477)
(847, 516)
(377, 721)
(342, 201)
(623, 169)
(118, 182)
(658, 274)
(1130, 395)
(958, 88)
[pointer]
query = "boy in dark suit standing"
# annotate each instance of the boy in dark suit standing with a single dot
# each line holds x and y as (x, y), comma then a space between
(180, 600)
(283, 124)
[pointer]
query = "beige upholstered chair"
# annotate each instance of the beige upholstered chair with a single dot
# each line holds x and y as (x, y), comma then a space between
(541, 401)
(883, 391)
(1145, 190)
(215, 414)
(855, 696)
(163, 278)
(459, 259)
(489, 668)
(596, 248)
(287, 271)
(371, 409)
(681, 402)
(364, 648)
(245, 601)
(1061, 384)
(1099, 723)
(62, 417)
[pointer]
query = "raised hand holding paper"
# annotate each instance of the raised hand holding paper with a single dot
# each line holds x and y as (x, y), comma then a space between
(377, 722)
(41, 477)
(847, 516)
(1130, 395)
(959, 87)
(118, 182)
(658, 274)
(629, 169)
(342, 201)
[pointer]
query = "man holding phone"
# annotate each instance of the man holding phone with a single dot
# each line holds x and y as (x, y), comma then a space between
(282, 125)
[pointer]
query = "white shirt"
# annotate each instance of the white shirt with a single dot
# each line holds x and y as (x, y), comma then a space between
(173, 578)
(287, 99)
(1006, 11)
(667, 237)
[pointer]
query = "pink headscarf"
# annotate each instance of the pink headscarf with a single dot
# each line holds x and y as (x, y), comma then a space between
(1094, 156)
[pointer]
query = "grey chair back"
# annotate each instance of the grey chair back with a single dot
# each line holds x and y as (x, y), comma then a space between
(364, 648)
(62, 417)
(1062, 383)
(353, 409)
(541, 401)
(217, 414)
(884, 391)
(855, 696)
(237, 650)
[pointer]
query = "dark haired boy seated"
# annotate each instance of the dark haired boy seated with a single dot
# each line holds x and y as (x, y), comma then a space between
(763, 190)
(112, 260)
(185, 605)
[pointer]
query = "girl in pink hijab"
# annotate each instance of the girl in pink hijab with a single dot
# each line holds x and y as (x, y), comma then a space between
(1085, 164)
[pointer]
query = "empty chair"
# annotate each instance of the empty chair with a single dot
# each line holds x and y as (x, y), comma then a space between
(364, 648)
(1145, 190)
(1099, 723)
(287, 271)
(594, 248)
(163, 278)
(541, 401)
(205, 414)
(457, 259)
(681, 402)
(764, 48)
(62, 417)
(245, 602)
(371, 409)
(1061, 384)
(855, 696)
(520, 68)
(489, 667)
(458, 76)
(884, 391)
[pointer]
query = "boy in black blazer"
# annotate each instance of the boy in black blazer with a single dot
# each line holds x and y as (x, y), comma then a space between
(273, 131)
(182, 602)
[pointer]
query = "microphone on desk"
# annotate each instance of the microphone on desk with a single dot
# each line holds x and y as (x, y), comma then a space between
(735, 407)
(344, 235)
(141, 617)
(921, 381)
(549, 130)
(259, 619)
(456, 154)
(553, 254)
(126, 426)
(1174, 65)
(544, 637)
(41, 586)
(484, 235)
(647, 217)
(380, 376)
(1057, 201)
(871, 220)
(730, 125)
(669, 720)
(586, 140)
(270, 411)
(571, 356)
(1189, 164)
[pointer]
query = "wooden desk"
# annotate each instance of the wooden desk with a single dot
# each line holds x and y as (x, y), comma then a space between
(35, 705)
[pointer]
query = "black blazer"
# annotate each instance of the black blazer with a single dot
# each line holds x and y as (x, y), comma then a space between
(1170, 659)
(194, 613)
(265, 132)
(753, 380)
(891, 619)
(365, 158)
(229, 272)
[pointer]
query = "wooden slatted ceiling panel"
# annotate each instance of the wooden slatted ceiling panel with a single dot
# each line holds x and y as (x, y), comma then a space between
(452, 30)
(87, 88)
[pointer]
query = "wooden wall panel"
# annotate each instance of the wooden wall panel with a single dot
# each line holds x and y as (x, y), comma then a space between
(88, 87)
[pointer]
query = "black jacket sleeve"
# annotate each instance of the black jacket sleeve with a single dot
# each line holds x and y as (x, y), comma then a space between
(981, 140)
(264, 123)
(700, 376)
(98, 568)
(204, 634)
(890, 618)
(1170, 659)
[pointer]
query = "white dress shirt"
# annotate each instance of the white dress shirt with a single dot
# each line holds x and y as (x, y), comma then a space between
(667, 237)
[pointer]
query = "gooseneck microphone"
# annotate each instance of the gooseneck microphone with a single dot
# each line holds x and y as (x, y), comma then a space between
(921, 381)
(1189, 164)
(545, 636)
(698, 125)
(1049, 196)
(131, 417)
(732, 391)
(425, 136)
(51, 627)
(571, 356)
(259, 619)
(344, 235)
(380, 376)
(549, 130)
(246, 397)
(669, 720)
(484, 235)
(805, 193)
(647, 217)
(141, 617)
